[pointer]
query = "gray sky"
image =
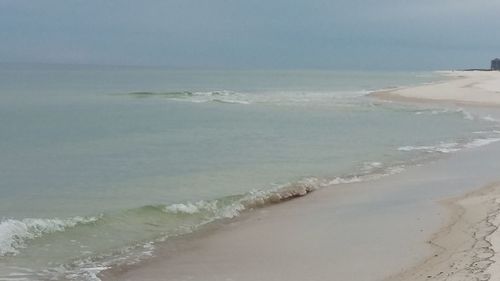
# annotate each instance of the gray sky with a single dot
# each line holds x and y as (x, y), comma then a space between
(332, 34)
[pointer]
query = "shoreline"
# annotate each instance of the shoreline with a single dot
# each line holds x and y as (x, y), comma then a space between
(301, 239)
(284, 241)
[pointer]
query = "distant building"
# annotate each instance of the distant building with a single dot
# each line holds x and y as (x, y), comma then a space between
(495, 64)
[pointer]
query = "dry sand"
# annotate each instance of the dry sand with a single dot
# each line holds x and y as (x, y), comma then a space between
(465, 87)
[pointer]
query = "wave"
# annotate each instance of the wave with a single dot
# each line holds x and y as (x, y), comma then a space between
(442, 148)
(86, 265)
(15, 233)
(246, 98)
(452, 146)
(487, 132)
(224, 96)
(165, 221)
(481, 142)
(490, 119)
(465, 114)
(231, 101)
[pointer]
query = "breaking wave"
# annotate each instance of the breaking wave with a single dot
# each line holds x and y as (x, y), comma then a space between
(15, 233)
(167, 220)
(464, 113)
(198, 97)
(244, 98)
(442, 148)
(481, 142)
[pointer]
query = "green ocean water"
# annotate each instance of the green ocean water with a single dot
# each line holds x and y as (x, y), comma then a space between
(98, 164)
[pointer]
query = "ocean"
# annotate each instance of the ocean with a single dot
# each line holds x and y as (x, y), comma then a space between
(99, 164)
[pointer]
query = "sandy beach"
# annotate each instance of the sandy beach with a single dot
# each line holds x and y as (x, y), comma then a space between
(415, 225)
(481, 88)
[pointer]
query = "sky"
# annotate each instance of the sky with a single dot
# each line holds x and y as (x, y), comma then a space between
(253, 34)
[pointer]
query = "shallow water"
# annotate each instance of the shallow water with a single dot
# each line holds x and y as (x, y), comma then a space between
(99, 163)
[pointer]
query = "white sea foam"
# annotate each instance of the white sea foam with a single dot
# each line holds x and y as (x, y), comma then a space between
(487, 132)
(214, 209)
(442, 148)
(225, 208)
(451, 147)
(481, 142)
(192, 208)
(371, 166)
(15, 233)
(339, 180)
(245, 98)
(465, 114)
(231, 101)
(490, 119)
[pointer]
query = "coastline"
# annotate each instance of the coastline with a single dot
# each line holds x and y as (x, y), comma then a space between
(301, 239)
(360, 231)
(467, 247)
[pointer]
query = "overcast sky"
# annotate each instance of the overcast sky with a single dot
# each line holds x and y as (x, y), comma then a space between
(332, 34)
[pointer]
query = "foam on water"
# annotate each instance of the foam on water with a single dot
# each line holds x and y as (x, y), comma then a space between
(453, 146)
(15, 233)
(443, 148)
(481, 142)
(465, 114)
(247, 98)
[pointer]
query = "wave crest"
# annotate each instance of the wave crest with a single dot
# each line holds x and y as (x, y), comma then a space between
(15, 233)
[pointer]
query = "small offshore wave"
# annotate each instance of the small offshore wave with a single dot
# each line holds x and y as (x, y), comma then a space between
(481, 142)
(442, 148)
(246, 98)
(224, 96)
(465, 114)
(487, 132)
(15, 233)
(490, 119)
(451, 147)
(231, 101)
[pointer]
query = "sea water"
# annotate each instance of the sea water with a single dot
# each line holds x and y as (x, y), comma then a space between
(99, 164)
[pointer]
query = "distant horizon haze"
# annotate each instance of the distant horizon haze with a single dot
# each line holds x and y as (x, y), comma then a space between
(278, 34)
